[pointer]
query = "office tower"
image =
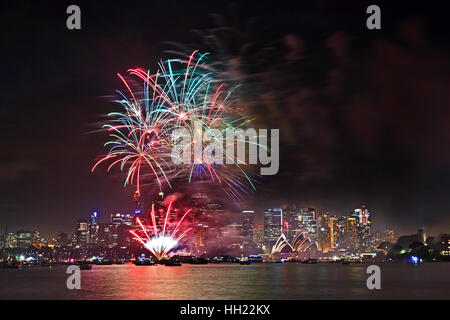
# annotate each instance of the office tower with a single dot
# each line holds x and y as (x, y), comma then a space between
(24, 239)
(121, 218)
(444, 245)
(138, 205)
(325, 236)
(308, 218)
(248, 224)
(292, 222)
(61, 239)
(362, 214)
(340, 231)
(362, 217)
(334, 233)
(258, 235)
(233, 234)
(93, 228)
(10, 240)
(389, 235)
(107, 235)
(82, 233)
(36, 239)
(351, 233)
(273, 222)
(121, 224)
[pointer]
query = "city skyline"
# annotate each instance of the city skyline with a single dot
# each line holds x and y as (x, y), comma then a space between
(360, 148)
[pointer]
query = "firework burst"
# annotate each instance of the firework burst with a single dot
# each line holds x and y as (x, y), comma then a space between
(181, 94)
(159, 240)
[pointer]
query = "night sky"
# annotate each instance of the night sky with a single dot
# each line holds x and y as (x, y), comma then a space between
(363, 115)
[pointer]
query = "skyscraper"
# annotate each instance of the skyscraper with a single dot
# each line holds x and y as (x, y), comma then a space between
(362, 217)
(325, 230)
(24, 239)
(351, 233)
(93, 228)
(248, 224)
(308, 217)
(273, 222)
(119, 229)
(82, 233)
(258, 235)
(138, 206)
(10, 240)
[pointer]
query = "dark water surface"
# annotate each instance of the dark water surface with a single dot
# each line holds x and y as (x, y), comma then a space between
(230, 281)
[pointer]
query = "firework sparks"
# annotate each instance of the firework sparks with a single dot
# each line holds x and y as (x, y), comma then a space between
(180, 95)
(160, 241)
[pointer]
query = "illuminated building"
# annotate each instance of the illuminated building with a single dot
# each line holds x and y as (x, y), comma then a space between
(93, 228)
(82, 233)
(362, 217)
(107, 236)
(292, 222)
(351, 233)
(308, 218)
(445, 245)
(389, 235)
(362, 214)
(138, 205)
(119, 229)
(121, 218)
(233, 235)
(258, 235)
(61, 239)
(326, 231)
(36, 239)
(24, 239)
(248, 224)
(10, 240)
(273, 221)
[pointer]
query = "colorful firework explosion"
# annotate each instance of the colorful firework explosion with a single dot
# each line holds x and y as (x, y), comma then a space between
(181, 93)
(159, 241)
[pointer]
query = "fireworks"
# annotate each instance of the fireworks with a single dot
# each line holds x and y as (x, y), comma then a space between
(179, 95)
(159, 241)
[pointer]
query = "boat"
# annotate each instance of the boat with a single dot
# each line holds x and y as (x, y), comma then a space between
(144, 262)
(172, 263)
(103, 262)
(309, 261)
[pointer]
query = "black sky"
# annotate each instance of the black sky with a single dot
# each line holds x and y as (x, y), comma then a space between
(363, 114)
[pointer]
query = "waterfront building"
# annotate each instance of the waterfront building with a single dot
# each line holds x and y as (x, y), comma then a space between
(36, 240)
(107, 235)
(24, 239)
(444, 245)
(363, 222)
(138, 206)
(82, 233)
(248, 224)
(258, 235)
(351, 233)
(308, 218)
(389, 235)
(93, 229)
(10, 240)
(273, 222)
(61, 239)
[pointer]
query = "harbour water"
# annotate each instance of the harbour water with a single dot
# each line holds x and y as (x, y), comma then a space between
(229, 281)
